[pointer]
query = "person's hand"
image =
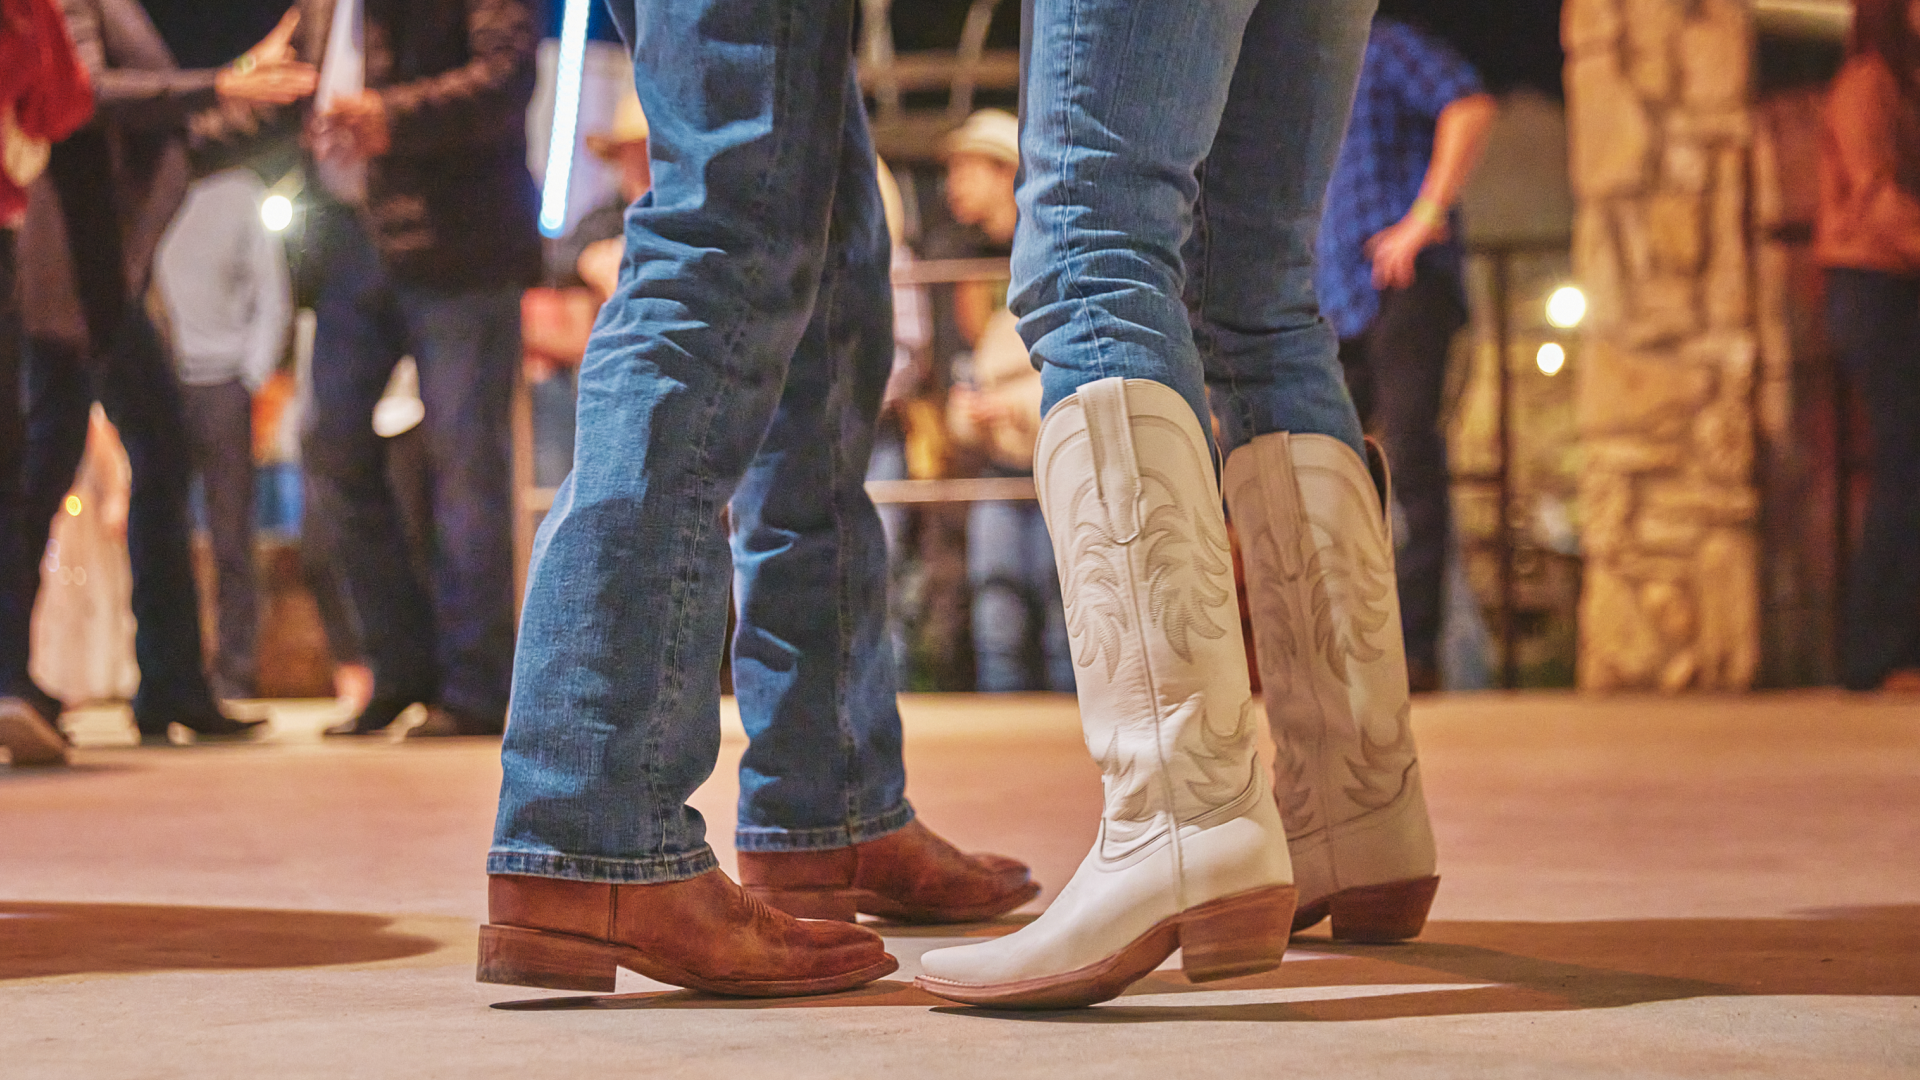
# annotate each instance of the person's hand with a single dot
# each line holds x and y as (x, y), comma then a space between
(1394, 249)
(360, 123)
(983, 410)
(265, 84)
(277, 46)
(599, 265)
(268, 73)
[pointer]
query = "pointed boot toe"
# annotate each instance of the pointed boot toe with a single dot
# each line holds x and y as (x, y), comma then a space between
(910, 875)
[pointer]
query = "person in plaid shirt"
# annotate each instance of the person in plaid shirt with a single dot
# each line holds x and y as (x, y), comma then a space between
(1390, 281)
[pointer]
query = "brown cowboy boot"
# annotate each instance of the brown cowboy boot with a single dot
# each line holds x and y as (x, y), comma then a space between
(909, 875)
(704, 933)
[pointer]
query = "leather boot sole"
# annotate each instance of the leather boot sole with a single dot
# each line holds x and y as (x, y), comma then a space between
(843, 905)
(1374, 914)
(1242, 934)
(517, 956)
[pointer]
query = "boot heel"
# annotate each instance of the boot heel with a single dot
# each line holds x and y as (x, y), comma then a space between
(1394, 911)
(518, 957)
(1243, 934)
(837, 905)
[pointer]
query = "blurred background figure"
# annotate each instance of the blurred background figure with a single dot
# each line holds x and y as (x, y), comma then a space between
(912, 333)
(1391, 280)
(994, 408)
(427, 219)
(44, 97)
(583, 266)
(1868, 238)
(93, 225)
(223, 278)
(83, 628)
(593, 249)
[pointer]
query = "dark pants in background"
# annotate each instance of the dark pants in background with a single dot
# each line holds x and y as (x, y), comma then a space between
(447, 641)
(134, 381)
(1397, 372)
(413, 491)
(1873, 320)
(15, 605)
(220, 430)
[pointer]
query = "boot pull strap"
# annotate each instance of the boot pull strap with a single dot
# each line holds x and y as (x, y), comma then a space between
(1382, 475)
(1116, 470)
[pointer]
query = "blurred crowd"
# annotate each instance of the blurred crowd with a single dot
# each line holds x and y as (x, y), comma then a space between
(178, 362)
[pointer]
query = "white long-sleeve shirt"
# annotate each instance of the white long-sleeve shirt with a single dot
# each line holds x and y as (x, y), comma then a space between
(223, 277)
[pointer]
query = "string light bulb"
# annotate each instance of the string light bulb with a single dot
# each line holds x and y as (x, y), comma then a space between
(1551, 358)
(276, 213)
(1566, 307)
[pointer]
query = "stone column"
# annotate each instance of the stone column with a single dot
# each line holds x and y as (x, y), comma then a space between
(1660, 119)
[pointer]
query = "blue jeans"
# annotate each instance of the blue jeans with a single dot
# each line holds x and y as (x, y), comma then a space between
(1176, 159)
(1875, 322)
(133, 380)
(1017, 613)
(449, 640)
(735, 375)
(889, 462)
(551, 401)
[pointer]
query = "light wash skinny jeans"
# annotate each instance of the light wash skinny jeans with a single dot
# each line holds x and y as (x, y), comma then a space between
(1175, 160)
(739, 366)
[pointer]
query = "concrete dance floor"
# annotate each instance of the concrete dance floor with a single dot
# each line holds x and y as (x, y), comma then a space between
(1631, 887)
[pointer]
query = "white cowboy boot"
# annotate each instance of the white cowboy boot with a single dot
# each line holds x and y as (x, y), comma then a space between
(1318, 551)
(1191, 852)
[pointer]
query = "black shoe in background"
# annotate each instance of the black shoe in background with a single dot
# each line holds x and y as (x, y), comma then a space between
(447, 722)
(214, 727)
(376, 718)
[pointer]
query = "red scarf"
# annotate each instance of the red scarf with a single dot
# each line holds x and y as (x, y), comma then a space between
(41, 80)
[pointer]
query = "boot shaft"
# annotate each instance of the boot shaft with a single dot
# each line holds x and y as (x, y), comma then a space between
(1318, 552)
(1126, 483)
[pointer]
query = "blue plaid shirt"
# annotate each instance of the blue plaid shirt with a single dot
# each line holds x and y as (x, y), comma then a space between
(1409, 76)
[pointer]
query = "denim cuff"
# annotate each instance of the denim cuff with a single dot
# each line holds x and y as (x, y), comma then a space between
(654, 870)
(750, 838)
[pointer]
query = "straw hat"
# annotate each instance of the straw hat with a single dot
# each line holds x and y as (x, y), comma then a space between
(987, 133)
(629, 126)
(990, 133)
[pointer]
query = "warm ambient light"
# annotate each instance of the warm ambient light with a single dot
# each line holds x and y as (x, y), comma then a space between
(566, 117)
(73, 506)
(1566, 307)
(276, 213)
(1551, 358)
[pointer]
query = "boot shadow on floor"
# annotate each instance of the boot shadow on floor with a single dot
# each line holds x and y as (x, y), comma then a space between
(38, 940)
(1454, 969)
(1471, 968)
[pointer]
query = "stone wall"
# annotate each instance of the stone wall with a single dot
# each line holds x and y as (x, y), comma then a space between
(1660, 119)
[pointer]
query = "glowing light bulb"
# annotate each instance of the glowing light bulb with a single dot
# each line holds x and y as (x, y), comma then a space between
(1566, 307)
(73, 506)
(1551, 358)
(276, 213)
